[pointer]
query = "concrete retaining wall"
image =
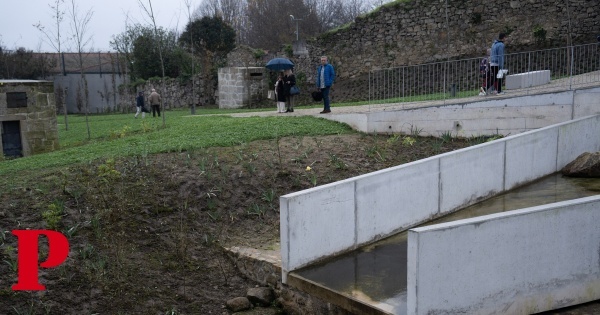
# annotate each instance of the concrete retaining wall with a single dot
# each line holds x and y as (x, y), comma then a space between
(330, 219)
(527, 79)
(521, 262)
(487, 117)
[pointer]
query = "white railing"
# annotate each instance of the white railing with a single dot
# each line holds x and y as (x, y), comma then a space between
(570, 67)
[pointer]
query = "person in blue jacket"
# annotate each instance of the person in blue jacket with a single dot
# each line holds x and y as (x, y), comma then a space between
(497, 61)
(325, 78)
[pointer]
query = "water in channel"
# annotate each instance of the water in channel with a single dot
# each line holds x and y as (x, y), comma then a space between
(376, 274)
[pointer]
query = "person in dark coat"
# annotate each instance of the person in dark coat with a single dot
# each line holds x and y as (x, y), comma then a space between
(280, 94)
(139, 103)
(289, 80)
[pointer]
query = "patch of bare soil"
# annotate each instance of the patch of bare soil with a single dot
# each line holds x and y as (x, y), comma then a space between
(146, 233)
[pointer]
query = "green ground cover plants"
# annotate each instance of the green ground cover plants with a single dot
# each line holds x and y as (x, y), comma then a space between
(147, 136)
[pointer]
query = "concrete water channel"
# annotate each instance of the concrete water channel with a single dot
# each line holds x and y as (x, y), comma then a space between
(373, 278)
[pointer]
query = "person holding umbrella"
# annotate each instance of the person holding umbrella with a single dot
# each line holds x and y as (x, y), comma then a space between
(279, 64)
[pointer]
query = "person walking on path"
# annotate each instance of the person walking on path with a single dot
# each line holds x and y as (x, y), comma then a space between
(497, 62)
(325, 78)
(154, 100)
(280, 94)
(139, 103)
(289, 80)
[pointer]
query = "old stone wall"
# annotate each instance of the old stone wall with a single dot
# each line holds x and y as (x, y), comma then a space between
(175, 93)
(422, 31)
(264, 267)
(419, 31)
(36, 119)
(407, 33)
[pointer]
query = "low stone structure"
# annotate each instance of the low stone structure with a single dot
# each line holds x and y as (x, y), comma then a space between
(242, 86)
(27, 117)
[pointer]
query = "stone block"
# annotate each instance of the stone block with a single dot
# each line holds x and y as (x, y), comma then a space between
(527, 79)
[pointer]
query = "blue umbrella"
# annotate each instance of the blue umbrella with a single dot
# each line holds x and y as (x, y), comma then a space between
(279, 64)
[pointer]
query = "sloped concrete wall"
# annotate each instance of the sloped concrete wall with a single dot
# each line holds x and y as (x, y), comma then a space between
(521, 262)
(487, 117)
(342, 216)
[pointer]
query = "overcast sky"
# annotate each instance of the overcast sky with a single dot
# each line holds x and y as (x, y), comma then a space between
(108, 19)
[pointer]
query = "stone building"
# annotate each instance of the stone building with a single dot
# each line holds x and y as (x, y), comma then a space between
(27, 117)
(242, 86)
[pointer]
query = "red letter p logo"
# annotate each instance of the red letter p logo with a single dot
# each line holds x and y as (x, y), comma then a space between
(58, 250)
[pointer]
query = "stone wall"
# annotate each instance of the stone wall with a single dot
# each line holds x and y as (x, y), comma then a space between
(407, 33)
(37, 120)
(419, 31)
(175, 93)
(415, 32)
(264, 267)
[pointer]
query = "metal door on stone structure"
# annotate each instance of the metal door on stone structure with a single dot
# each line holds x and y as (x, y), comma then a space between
(11, 139)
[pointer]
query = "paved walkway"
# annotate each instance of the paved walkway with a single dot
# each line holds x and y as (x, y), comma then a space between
(583, 81)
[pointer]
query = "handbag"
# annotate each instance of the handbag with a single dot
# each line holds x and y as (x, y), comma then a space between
(271, 95)
(294, 90)
(501, 73)
(317, 96)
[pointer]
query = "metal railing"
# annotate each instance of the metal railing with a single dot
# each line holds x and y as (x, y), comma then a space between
(570, 67)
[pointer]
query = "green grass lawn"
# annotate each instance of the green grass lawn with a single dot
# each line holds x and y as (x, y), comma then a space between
(117, 135)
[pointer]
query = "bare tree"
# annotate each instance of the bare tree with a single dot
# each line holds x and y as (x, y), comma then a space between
(328, 13)
(334, 13)
(150, 14)
(54, 39)
(266, 23)
(354, 8)
(188, 4)
(269, 23)
(79, 30)
(233, 12)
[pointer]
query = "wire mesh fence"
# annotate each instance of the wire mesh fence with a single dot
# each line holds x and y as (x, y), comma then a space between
(565, 68)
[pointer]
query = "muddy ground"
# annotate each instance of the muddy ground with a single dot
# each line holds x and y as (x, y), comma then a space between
(146, 233)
